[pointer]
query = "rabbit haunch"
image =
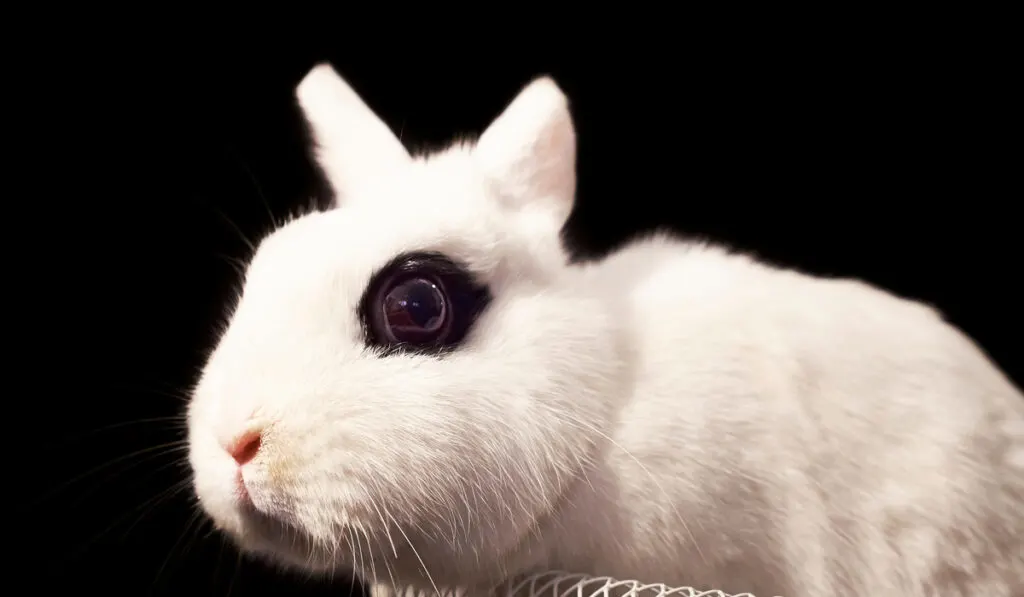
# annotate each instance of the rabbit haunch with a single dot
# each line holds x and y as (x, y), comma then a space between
(672, 413)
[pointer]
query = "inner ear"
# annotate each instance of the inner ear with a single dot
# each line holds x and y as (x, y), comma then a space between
(351, 144)
(529, 152)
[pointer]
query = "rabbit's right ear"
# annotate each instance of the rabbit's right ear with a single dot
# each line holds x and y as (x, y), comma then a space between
(352, 143)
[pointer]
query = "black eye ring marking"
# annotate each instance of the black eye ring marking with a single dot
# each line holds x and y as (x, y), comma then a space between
(421, 303)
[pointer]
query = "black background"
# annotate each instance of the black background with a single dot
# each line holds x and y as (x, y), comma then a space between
(868, 155)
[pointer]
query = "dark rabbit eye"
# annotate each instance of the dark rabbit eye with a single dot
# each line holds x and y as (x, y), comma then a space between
(415, 311)
(421, 302)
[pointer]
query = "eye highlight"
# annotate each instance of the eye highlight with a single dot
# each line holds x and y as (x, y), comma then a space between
(415, 311)
(421, 302)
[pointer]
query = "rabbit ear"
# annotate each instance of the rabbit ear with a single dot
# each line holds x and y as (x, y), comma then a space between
(352, 143)
(529, 152)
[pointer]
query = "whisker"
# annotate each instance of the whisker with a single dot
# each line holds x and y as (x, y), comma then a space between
(359, 550)
(351, 550)
(148, 452)
(255, 182)
(231, 224)
(188, 526)
(178, 418)
(384, 555)
(220, 563)
(170, 392)
(190, 544)
(238, 265)
(414, 551)
(177, 488)
(369, 551)
(236, 569)
(147, 505)
(387, 528)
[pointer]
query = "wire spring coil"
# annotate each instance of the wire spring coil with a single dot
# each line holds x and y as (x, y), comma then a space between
(562, 584)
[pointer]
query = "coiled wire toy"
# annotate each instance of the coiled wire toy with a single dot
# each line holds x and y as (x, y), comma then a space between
(564, 584)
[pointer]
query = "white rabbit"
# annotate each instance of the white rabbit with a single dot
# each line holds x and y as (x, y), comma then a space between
(418, 388)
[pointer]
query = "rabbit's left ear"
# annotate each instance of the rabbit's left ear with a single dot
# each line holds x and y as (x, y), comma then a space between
(352, 143)
(529, 152)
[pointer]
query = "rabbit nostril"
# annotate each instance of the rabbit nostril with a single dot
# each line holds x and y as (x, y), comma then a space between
(245, 447)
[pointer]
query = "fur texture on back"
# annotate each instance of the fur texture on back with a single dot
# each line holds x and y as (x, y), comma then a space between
(417, 387)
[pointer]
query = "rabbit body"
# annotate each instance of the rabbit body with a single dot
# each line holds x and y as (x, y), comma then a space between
(783, 434)
(672, 413)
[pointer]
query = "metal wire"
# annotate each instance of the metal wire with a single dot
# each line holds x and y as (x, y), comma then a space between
(563, 584)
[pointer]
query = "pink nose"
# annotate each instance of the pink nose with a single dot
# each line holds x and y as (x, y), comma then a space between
(245, 447)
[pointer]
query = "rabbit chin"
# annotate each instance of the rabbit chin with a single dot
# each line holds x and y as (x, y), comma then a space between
(288, 545)
(336, 551)
(281, 544)
(254, 525)
(327, 536)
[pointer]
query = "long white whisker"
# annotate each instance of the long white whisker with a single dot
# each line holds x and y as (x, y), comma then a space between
(414, 551)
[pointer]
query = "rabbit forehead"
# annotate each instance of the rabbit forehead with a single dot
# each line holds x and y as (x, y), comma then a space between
(341, 249)
(435, 204)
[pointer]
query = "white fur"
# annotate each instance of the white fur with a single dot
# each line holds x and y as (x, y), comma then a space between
(673, 413)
